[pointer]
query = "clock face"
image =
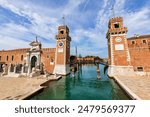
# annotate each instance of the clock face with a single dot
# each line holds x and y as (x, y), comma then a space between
(118, 39)
(60, 44)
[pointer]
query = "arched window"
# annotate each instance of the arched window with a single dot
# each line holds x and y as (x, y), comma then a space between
(12, 58)
(21, 57)
(6, 58)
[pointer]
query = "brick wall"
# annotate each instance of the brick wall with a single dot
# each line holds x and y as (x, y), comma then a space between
(139, 48)
(13, 56)
(47, 57)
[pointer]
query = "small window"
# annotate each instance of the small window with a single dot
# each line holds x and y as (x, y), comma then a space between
(116, 25)
(144, 41)
(139, 68)
(132, 42)
(48, 56)
(62, 32)
(0, 58)
(52, 60)
(21, 57)
(12, 58)
(6, 58)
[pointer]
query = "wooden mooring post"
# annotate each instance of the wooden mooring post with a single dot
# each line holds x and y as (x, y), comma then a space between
(98, 71)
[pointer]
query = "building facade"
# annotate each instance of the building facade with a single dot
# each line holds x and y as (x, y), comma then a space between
(126, 55)
(44, 60)
(139, 48)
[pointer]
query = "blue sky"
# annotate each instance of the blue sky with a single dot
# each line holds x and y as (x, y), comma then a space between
(22, 20)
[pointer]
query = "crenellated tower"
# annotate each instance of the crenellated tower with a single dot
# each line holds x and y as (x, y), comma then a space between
(119, 57)
(62, 55)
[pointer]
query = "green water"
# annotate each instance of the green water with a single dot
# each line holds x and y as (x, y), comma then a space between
(85, 86)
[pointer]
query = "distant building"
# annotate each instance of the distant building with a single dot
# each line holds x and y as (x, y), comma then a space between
(90, 59)
(127, 56)
(52, 60)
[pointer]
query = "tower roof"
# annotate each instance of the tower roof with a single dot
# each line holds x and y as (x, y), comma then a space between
(115, 19)
(63, 27)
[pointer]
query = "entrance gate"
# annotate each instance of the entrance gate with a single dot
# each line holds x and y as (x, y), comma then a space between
(33, 62)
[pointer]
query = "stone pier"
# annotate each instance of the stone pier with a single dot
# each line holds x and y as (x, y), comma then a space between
(137, 87)
(22, 88)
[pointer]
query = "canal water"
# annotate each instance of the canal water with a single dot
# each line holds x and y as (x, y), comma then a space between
(84, 86)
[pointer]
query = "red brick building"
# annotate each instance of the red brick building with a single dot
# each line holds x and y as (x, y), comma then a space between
(127, 56)
(139, 48)
(51, 60)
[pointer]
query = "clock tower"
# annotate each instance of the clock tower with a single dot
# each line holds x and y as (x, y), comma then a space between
(119, 57)
(62, 54)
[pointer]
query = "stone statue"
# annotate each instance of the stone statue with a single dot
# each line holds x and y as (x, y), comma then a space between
(5, 70)
(41, 68)
(35, 72)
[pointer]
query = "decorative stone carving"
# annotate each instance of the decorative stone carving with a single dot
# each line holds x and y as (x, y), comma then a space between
(35, 72)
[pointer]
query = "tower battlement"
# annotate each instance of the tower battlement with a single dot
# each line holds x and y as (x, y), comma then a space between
(116, 19)
(115, 26)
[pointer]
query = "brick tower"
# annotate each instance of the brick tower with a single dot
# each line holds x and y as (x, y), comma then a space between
(62, 55)
(119, 57)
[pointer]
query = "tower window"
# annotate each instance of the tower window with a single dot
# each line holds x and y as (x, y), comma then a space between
(6, 58)
(132, 42)
(0, 58)
(48, 56)
(21, 57)
(116, 25)
(12, 58)
(139, 68)
(62, 32)
(144, 41)
(52, 60)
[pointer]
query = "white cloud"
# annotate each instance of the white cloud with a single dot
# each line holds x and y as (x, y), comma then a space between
(138, 22)
(45, 20)
(12, 43)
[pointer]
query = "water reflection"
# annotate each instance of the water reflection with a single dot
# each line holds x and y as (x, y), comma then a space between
(83, 86)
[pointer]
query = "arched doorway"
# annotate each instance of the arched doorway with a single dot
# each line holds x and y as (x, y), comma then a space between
(33, 61)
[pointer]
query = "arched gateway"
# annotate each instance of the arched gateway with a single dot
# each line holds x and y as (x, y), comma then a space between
(33, 62)
(34, 56)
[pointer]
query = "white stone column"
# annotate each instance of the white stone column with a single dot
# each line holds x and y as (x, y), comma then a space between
(39, 59)
(9, 68)
(15, 68)
(22, 69)
(29, 68)
(28, 59)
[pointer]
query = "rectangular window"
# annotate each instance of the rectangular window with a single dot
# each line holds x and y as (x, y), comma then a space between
(132, 42)
(140, 69)
(116, 25)
(0, 58)
(144, 41)
(48, 56)
(62, 32)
